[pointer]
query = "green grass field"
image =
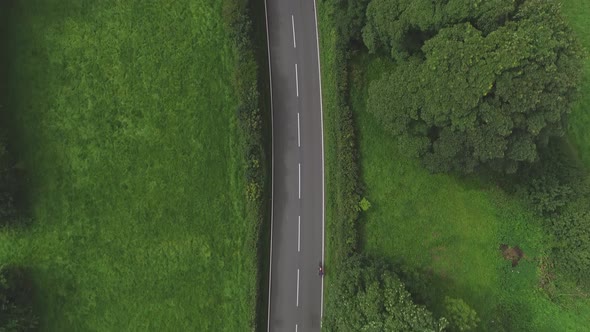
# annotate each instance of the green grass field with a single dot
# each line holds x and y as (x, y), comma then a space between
(453, 228)
(123, 116)
(578, 14)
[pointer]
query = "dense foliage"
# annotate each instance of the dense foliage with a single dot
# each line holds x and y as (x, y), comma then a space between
(558, 189)
(372, 298)
(460, 315)
(341, 145)
(16, 313)
(386, 305)
(478, 83)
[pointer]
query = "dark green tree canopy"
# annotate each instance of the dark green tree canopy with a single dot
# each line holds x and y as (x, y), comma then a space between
(476, 82)
(369, 297)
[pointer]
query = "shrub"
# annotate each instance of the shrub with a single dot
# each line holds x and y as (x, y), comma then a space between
(364, 204)
(571, 249)
(460, 315)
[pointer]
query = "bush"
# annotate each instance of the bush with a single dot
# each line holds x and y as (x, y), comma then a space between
(364, 204)
(460, 315)
(557, 188)
(547, 196)
(571, 249)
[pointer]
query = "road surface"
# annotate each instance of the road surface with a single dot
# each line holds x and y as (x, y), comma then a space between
(297, 235)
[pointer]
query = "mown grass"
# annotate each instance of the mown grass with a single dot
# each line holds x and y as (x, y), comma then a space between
(577, 13)
(451, 228)
(123, 116)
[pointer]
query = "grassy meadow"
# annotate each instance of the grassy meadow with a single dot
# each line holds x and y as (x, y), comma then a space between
(123, 117)
(578, 15)
(452, 229)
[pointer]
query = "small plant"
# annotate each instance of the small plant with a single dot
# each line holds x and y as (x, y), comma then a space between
(364, 204)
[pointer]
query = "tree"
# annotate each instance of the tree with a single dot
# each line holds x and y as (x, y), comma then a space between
(351, 18)
(477, 83)
(368, 297)
(461, 316)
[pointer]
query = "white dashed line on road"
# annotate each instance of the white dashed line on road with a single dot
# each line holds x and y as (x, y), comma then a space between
(298, 132)
(296, 80)
(293, 25)
(299, 180)
(297, 287)
(299, 234)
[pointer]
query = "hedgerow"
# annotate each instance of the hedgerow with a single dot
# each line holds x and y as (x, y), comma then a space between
(251, 123)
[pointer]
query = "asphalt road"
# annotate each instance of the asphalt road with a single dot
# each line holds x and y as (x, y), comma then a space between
(296, 290)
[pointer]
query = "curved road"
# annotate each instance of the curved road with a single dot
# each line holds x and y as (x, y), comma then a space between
(297, 226)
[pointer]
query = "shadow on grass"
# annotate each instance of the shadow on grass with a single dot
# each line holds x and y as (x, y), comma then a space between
(14, 177)
(258, 19)
(18, 295)
(24, 71)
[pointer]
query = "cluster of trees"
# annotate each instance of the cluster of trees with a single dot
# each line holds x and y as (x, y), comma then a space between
(478, 83)
(370, 297)
(366, 295)
(489, 84)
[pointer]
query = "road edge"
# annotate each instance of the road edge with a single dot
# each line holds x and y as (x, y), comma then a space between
(272, 181)
(317, 39)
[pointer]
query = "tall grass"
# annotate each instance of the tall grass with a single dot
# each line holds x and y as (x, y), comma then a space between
(124, 118)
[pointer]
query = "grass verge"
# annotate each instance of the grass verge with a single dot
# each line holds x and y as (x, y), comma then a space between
(578, 15)
(341, 170)
(125, 118)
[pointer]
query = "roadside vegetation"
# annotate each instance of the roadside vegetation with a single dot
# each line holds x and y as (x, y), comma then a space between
(488, 231)
(577, 13)
(135, 131)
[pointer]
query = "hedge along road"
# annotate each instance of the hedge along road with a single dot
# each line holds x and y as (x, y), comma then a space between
(297, 227)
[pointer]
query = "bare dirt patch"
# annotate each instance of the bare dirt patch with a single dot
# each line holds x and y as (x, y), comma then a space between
(514, 254)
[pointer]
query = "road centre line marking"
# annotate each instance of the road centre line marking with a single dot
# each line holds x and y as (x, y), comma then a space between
(295, 327)
(299, 234)
(298, 131)
(296, 80)
(293, 25)
(297, 287)
(299, 180)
